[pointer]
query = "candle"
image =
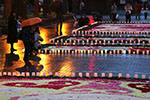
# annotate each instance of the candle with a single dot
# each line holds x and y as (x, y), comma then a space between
(127, 75)
(114, 51)
(118, 51)
(80, 74)
(56, 73)
(119, 75)
(110, 52)
(129, 51)
(68, 51)
(136, 76)
(143, 52)
(100, 42)
(76, 51)
(137, 51)
(62, 40)
(95, 74)
(87, 74)
(110, 75)
(103, 74)
(73, 74)
(143, 76)
(87, 41)
(91, 42)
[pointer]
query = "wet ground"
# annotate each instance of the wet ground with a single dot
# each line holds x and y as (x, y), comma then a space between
(125, 64)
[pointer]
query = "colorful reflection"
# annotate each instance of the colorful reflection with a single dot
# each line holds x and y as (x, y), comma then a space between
(45, 60)
(44, 34)
(91, 63)
(66, 29)
(9, 61)
(66, 69)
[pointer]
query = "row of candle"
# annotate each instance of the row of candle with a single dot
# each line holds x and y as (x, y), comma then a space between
(147, 52)
(73, 74)
(97, 33)
(99, 42)
(124, 22)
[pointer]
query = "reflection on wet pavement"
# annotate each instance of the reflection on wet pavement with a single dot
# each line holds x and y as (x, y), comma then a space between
(10, 62)
(66, 64)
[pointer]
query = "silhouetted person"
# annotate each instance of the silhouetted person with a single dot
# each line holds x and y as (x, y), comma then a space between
(128, 10)
(114, 11)
(82, 7)
(27, 40)
(59, 16)
(138, 10)
(37, 38)
(12, 30)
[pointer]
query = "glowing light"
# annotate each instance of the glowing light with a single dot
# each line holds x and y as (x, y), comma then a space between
(66, 68)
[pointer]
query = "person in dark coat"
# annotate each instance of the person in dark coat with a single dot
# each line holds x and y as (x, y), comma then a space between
(138, 10)
(27, 40)
(59, 16)
(12, 30)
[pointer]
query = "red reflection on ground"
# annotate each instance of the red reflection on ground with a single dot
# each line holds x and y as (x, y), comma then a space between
(92, 63)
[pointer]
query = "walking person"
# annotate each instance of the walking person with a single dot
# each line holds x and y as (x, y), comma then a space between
(28, 38)
(12, 30)
(58, 7)
(82, 7)
(28, 28)
(138, 10)
(60, 17)
(114, 11)
(128, 11)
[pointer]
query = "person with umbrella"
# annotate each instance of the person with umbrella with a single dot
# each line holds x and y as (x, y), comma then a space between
(12, 30)
(28, 29)
(57, 7)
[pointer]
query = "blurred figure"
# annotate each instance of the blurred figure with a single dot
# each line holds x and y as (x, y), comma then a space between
(114, 11)
(82, 7)
(138, 10)
(128, 11)
(12, 30)
(58, 7)
(27, 40)
(37, 38)
(18, 24)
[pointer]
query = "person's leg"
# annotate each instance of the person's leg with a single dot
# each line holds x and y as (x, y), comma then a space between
(136, 16)
(12, 47)
(27, 50)
(139, 15)
(57, 26)
(113, 17)
(129, 18)
(126, 18)
(61, 23)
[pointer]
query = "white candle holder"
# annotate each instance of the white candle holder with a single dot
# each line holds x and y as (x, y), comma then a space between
(119, 75)
(127, 75)
(136, 76)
